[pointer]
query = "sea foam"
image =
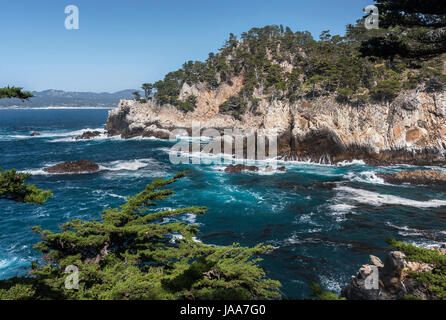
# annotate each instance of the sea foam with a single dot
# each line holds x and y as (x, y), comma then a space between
(377, 199)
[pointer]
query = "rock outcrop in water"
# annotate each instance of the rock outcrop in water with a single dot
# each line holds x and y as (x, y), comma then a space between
(88, 135)
(416, 177)
(239, 168)
(81, 166)
(321, 131)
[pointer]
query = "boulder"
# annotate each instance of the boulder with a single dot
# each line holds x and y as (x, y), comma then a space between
(376, 261)
(88, 135)
(239, 168)
(416, 177)
(81, 166)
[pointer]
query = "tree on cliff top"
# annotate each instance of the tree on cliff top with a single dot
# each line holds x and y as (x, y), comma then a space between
(147, 87)
(137, 253)
(14, 92)
(415, 28)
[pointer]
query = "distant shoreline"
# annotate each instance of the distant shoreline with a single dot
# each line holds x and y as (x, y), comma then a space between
(55, 108)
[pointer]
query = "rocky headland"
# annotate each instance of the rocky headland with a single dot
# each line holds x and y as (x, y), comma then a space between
(325, 101)
(410, 130)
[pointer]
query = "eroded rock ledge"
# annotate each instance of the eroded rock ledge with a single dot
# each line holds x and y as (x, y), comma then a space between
(416, 177)
(321, 130)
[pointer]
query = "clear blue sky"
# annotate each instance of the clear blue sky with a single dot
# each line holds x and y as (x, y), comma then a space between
(121, 44)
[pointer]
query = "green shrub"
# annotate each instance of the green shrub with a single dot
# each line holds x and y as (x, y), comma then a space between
(187, 105)
(386, 90)
(234, 106)
(319, 294)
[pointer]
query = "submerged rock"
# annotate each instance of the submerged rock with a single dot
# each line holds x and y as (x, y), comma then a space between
(417, 177)
(88, 135)
(81, 166)
(239, 168)
(271, 169)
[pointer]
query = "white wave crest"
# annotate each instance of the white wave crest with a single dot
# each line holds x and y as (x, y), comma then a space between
(54, 134)
(364, 176)
(346, 163)
(377, 199)
(128, 165)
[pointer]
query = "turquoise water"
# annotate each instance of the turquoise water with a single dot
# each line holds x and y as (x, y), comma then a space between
(324, 220)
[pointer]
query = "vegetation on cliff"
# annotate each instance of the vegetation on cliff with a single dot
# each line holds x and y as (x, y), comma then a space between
(435, 279)
(363, 65)
(137, 252)
(414, 29)
(412, 273)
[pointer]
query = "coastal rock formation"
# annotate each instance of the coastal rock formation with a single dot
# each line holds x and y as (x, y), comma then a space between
(88, 135)
(394, 279)
(411, 129)
(81, 166)
(416, 177)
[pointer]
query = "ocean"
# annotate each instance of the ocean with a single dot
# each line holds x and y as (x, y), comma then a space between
(324, 220)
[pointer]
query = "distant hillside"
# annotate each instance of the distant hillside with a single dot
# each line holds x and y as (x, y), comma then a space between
(59, 98)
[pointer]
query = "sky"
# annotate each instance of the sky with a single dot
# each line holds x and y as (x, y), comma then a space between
(122, 44)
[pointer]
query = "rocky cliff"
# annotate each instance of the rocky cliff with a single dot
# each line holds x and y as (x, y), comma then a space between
(411, 129)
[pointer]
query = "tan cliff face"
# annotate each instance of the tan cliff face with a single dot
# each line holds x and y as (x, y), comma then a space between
(411, 129)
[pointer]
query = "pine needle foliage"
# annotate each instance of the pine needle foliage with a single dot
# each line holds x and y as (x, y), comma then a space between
(137, 252)
(14, 92)
(13, 187)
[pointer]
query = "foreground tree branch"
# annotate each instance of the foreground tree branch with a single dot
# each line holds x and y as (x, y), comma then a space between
(136, 253)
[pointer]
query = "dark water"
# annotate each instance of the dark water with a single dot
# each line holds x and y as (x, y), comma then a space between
(324, 220)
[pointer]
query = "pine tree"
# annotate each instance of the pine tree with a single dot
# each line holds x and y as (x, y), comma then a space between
(147, 87)
(137, 252)
(415, 28)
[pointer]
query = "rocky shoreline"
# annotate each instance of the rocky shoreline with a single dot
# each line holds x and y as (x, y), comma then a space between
(397, 279)
(410, 130)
